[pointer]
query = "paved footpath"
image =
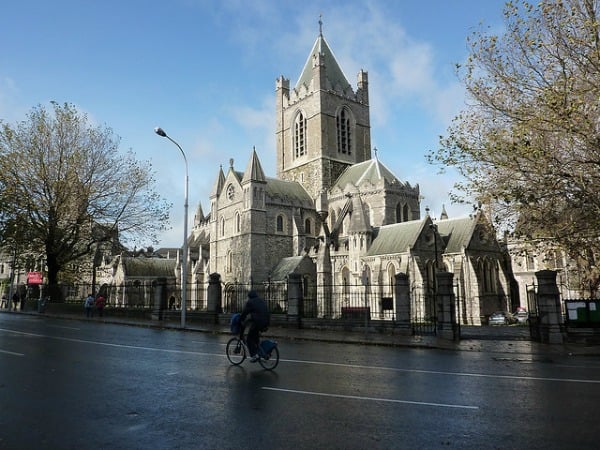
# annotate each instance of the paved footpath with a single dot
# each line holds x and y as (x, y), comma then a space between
(522, 348)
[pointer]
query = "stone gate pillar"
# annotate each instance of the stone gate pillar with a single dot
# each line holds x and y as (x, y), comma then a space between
(446, 305)
(160, 298)
(402, 300)
(214, 294)
(549, 312)
(295, 298)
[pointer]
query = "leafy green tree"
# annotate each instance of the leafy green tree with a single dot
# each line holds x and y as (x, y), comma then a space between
(65, 188)
(528, 142)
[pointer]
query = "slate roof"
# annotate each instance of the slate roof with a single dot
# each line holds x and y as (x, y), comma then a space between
(372, 170)
(395, 238)
(291, 191)
(292, 264)
(149, 267)
(457, 232)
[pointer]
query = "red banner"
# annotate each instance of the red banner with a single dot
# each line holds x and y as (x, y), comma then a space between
(34, 277)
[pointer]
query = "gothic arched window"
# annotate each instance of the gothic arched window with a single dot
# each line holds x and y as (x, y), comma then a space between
(307, 227)
(238, 223)
(405, 213)
(344, 131)
(280, 224)
(300, 135)
(398, 213)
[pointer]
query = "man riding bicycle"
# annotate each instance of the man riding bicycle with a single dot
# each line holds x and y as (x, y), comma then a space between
(259, 318)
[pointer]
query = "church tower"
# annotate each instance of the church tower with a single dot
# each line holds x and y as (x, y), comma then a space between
(323, 124)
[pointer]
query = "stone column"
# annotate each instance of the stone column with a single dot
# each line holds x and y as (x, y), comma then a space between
(446, 305)
(214, 295)
(160, 298)
(295, 298)
(549, 312)
(402, 301)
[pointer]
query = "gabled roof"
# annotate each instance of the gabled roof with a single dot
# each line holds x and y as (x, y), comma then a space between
(288, 190)
(372, 170)
(149, 267)
(457, 232)
(294, 264)
(333, 72)
(396, 238)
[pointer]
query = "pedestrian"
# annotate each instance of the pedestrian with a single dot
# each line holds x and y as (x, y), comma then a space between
(88, 304)
(172, 302)
(100, 303)
(256, 316)
(4, 303)
(15, 300)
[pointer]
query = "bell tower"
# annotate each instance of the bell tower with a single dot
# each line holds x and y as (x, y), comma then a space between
(323, 124)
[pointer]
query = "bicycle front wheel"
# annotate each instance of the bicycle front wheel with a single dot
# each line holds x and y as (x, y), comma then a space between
(236, 351)
(270, 361)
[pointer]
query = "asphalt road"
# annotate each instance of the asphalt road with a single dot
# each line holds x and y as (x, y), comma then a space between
(69, 384)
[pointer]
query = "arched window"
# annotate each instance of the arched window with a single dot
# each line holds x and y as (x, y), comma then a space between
(344, 131)
(280, 224)
(405, 213)
(222, 226)
(238, 223)
(300, 135)
(307, 227)
(229, 263)
(398, 213)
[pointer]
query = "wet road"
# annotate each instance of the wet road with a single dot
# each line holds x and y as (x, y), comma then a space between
(83, 384)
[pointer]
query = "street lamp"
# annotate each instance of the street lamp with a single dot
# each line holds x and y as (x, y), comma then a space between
(161, 133)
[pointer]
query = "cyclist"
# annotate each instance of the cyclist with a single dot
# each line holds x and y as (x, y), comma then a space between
(258, 320)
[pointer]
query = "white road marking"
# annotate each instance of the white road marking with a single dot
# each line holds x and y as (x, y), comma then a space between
(64, 328)
(320, 363)
(374, 399)
(11, 353)
(439, 372)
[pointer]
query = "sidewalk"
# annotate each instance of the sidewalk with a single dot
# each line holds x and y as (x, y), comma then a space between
(514, 349)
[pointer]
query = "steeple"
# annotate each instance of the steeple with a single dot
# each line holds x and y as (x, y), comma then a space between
(254, 171)
(321, 56)
(218, 186)
(444, 214)
(322, 124)
(199, 216)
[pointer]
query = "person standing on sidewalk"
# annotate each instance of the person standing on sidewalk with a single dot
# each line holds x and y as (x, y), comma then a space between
(100, 303)
(4, 303)
(15, 300)
(88, 304)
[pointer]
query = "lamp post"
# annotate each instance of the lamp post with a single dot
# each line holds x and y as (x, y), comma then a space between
(161, 133)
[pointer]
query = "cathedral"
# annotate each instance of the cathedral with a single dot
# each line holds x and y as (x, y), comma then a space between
(335, 214)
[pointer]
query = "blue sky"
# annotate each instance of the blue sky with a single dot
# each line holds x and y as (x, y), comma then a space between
(205, 71)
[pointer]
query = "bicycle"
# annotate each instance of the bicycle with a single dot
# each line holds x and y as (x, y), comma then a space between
(268, 353)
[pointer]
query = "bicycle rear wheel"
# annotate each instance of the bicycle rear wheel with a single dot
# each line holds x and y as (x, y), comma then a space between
(270, 361)
(236, 351)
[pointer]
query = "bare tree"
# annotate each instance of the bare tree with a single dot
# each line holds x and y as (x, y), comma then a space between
(528, 142)
(65, 188)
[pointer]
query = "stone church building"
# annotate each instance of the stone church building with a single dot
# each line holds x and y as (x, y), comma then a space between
(336, 215)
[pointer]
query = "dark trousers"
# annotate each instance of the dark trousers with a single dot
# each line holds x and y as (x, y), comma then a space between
(252, 338)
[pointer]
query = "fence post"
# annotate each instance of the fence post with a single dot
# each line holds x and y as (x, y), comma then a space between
(214, 295)
(295, 298)
(445, 306)
(549, 311)
(160, 298)
(402, 292)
